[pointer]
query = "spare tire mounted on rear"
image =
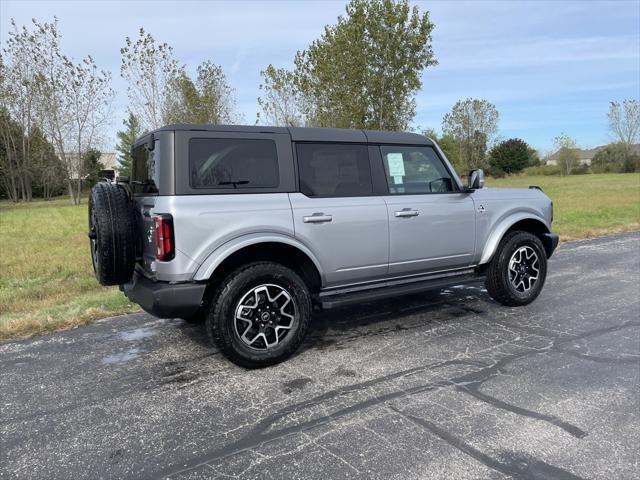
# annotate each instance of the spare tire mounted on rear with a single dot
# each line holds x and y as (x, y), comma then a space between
(111, 233)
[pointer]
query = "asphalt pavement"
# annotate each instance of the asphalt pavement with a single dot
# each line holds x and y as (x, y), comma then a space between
(442, 385)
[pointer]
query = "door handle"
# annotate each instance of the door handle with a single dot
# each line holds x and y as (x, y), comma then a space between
(407, 213)
(317, 218)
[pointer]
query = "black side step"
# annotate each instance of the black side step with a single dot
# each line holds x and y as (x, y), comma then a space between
(328, 300)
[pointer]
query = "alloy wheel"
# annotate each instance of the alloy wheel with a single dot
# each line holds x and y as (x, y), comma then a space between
(264, 316)
(524, 269)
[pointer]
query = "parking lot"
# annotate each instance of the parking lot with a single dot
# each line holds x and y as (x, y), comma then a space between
(446, 384)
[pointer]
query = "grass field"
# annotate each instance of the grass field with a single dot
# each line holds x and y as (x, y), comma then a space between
(46, 280)
(587, 205)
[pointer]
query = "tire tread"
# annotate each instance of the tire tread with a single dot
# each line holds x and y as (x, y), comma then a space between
(116, 242)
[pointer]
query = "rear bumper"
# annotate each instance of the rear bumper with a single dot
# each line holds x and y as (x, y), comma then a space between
(164, 299)
(550, 243)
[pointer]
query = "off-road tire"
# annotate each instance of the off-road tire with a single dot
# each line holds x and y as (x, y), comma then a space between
(221, 316)
(111, 233)
(497, 280)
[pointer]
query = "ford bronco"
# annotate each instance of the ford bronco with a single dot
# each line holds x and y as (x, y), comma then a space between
(251, 227)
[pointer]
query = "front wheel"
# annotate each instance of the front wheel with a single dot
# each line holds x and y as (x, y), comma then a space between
(260, 315)
(518, 269)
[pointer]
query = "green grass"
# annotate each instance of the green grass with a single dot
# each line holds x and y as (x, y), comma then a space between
(587, 205)
(46, 280)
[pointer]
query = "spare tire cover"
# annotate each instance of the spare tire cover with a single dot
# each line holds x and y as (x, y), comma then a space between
(111, 233)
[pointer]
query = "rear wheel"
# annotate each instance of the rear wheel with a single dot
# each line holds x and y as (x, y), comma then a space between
(260, 314)
(518, 269)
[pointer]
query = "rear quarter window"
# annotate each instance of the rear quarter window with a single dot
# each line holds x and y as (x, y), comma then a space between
(144, 171)
(224, 163)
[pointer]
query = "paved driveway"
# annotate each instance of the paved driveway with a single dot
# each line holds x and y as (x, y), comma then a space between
(441, 385)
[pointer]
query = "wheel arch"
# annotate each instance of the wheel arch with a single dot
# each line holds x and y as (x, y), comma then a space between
(527, 223)
(280, 249)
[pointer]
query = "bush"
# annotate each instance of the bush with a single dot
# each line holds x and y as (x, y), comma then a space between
(580, 170)
(631, 163)
(511, 156)
(495, 172)
(616, 157)
(606, 168)
(543, 170)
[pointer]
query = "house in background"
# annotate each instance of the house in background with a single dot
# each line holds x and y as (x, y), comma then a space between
(109, 163)
(586, 156)
(108, 160)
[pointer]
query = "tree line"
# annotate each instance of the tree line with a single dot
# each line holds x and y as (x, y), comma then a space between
(364, 71)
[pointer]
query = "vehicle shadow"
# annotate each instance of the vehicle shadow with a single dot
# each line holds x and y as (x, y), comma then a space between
(402, 313)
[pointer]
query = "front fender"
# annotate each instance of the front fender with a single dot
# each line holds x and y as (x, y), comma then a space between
(501, 228)
(217, 256)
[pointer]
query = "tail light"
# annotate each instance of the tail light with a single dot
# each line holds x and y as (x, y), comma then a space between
(163, 237)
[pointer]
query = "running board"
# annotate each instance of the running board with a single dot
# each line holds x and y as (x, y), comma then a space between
(329, 300)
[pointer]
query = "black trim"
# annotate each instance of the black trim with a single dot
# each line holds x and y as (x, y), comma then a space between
(327, 301)
(164, 299)
(396, 280)
(550, 242)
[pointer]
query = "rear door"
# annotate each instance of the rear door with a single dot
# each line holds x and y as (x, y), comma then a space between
(336, 213)
(144, 184)
(431, 222)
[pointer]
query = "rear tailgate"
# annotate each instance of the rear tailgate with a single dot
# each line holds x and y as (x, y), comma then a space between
(144, 181)
(144, 234)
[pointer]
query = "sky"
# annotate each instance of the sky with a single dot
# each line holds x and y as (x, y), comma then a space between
(548, 66)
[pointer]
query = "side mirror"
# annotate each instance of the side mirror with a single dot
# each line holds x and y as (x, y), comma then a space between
(476, 179)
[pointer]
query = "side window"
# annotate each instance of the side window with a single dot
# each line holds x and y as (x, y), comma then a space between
(143, 170)
(334, 170)
(233, 163)
(415, 170)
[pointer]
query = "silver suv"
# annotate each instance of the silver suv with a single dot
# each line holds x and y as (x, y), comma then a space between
(251, 227)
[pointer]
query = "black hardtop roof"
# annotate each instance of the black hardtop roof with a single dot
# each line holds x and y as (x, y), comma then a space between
(304, 134)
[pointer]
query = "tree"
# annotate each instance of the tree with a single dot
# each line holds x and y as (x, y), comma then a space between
(207, 100)
(448, 146)
(624, 121)
(363, 72)
(281, 103)
(161, 92)
(567, 149)
(48, 179)
(74, 101)
(11, 163)
(534, 158)
(126, 138)
(150, 71)
(472, 124)
(511, 156)
(91, 166)
(216, 97)
(616, 157)
(18, 97)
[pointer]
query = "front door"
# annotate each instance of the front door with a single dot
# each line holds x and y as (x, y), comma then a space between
(431, 222)
(337, 216)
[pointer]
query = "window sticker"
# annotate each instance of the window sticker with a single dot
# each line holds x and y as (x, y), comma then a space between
(397, 179)
(396, 165)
